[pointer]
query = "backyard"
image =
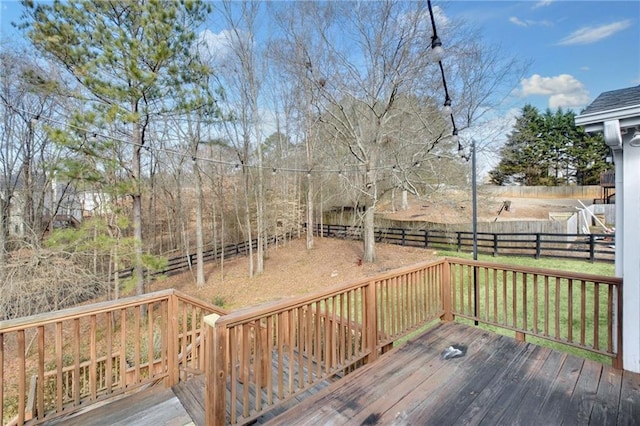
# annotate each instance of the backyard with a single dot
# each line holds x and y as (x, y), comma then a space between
(291, 270)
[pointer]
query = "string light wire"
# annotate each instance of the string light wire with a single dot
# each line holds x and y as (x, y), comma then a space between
(436, 44)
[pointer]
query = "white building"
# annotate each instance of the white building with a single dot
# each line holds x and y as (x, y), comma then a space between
(617, 115)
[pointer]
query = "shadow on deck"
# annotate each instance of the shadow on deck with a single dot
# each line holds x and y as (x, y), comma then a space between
(498, 381)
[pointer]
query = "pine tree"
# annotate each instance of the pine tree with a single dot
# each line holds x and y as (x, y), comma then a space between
(548, 149)
(133, 61)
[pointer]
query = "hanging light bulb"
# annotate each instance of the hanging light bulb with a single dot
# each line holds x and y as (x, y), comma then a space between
(437, 51)
(454, 136)
(446, 108)
(273, 172)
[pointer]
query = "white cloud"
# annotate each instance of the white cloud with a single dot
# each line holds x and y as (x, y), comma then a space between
(563, 90)
(517, 21)
(528, 22)
(442, 21)
(542, 3)
(587, 35)
(215, 48)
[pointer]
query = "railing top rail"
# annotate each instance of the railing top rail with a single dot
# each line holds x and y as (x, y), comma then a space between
(539, 271)
(269, 308)
(98, 308)
(201, 304)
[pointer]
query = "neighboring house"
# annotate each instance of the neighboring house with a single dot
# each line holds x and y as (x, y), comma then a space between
(617, 115)
(61, 206)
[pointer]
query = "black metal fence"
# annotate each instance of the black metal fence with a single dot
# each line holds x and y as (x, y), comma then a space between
(592, 247)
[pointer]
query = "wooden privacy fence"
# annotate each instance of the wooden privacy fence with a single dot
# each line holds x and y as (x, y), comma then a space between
(589, 247)
(56, 363)
(263, 357)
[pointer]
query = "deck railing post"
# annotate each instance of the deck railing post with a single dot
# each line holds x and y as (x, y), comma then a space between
(446, 291)
(172, 344)
(617, 323)
(371, 321)
(215, 390)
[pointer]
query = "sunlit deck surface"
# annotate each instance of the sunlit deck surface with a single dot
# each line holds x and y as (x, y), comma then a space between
(498, 381)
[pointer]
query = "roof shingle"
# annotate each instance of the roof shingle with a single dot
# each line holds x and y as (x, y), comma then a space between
(614, 99)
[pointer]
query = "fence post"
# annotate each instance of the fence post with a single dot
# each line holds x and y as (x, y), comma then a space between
(592, 248)
(371, 321)
(495, 245)
(215, 389)
(459, 234)
(538, 246)
(426, 238)
(404, 232)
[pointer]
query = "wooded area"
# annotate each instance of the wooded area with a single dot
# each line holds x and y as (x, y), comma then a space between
(168, 128)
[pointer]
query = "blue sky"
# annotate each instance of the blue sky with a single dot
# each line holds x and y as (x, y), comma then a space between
(577, 49)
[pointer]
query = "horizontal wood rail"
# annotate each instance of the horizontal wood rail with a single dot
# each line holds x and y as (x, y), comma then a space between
(178, 264)
(55, 363)
(592, 247)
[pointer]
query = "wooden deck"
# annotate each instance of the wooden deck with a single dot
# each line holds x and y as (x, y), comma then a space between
(498, 381)
(156, 406)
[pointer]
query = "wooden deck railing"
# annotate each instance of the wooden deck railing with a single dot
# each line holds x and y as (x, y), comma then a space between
(269, 355)
(56, 363)
(258, 358)
(575, 309)
(262, 357)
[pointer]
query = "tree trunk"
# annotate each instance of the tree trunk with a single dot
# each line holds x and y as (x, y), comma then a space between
(405, 202)
(137, 210)
(369, 254)
(310, 224)
(200, 278)
(4, 230)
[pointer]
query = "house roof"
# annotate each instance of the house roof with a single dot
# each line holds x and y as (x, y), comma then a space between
(614, 99)
(622, 105)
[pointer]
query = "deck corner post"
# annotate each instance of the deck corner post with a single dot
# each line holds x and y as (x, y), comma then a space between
(215, 371)
(617, 361)
(371, 323)
(446, 292)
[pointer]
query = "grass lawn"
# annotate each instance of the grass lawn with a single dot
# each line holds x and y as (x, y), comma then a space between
(596, 268)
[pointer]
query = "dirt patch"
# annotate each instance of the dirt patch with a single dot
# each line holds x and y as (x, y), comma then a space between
(459, 209)
(291, 270)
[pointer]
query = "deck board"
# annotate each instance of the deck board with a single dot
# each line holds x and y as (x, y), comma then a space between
(583, 398)
(155, 406)
(605, 408)
(499, 381)
(629, 409)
